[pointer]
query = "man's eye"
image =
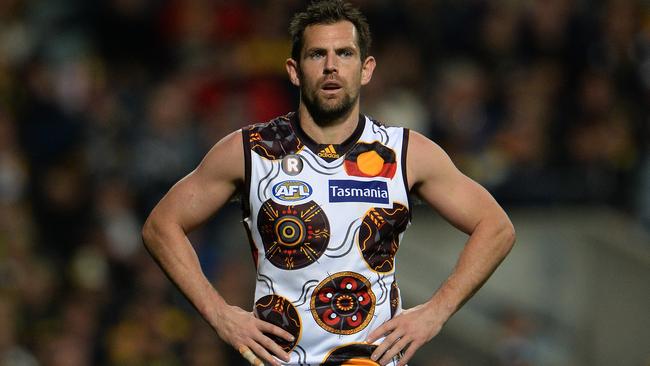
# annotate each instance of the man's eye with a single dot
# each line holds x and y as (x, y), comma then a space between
(316, 55)
(347, 53)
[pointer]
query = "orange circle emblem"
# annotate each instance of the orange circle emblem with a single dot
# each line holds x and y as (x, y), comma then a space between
(370, 163)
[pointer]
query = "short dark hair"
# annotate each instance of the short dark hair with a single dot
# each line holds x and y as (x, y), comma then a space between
(329, 12)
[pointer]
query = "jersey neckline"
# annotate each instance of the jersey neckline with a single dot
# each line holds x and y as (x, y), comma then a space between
(328, 152)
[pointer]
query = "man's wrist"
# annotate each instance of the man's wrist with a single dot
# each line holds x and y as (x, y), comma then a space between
(215, 308)
(440, 307)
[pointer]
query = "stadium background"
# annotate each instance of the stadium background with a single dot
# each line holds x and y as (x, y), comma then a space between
(104, 104)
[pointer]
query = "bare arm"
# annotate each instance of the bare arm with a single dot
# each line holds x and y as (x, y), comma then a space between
(471, 209)
(188, 204)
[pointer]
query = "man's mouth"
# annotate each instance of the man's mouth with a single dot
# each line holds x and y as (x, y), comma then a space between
(331, 86)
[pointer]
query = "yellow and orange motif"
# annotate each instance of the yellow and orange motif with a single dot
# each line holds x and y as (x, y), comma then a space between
(293, 236)
(371, 160)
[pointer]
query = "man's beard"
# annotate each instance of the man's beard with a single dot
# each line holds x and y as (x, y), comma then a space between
(325, 114)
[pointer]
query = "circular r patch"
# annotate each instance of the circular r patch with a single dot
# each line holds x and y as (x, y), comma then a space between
(292, 164)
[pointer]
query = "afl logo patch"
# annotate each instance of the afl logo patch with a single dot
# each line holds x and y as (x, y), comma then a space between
(292, 190)
(292, 164)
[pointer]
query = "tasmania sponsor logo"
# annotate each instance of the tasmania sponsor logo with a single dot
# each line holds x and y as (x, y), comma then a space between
(357, 191)
(292, 190)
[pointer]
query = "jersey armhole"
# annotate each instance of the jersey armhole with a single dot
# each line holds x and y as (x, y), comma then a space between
(246, 142)
(405, 143)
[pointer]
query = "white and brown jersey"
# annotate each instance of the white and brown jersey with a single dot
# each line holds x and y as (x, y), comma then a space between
(325, 223)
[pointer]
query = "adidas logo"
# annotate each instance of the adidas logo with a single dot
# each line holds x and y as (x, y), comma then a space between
(329, 152)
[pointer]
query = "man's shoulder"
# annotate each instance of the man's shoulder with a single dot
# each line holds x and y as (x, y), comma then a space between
(272, 139)
(386, 133)
(387, 126)
(280, 123)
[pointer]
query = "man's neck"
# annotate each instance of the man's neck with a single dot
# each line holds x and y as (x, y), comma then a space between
(335, 132)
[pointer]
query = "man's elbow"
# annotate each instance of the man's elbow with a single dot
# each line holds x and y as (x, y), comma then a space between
(149, 232)
(507, 235)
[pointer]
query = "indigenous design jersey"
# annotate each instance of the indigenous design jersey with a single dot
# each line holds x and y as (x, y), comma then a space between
(325, 223)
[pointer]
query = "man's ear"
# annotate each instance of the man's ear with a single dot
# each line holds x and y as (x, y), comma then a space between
(294, 71)
(367, 69)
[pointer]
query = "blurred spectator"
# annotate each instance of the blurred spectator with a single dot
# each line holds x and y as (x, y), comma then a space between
(516, 347)
(165, 148)
(13, 169)
(395, 94)
(12, 353)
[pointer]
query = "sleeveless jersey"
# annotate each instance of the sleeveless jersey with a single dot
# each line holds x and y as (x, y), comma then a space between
(324, 225)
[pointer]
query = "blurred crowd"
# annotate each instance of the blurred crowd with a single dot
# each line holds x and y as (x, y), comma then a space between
(105, 104)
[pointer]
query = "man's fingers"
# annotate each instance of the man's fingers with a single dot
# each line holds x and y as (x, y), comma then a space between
(385, 344)
(380, 331)
(410, 351)
(264, 355)
(271, 346)
(267, 327)
(394, 350)
(250, 356)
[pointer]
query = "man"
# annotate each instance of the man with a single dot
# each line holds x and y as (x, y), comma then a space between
(325, 193)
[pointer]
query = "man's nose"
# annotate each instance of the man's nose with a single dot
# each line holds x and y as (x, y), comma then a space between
(330, 64)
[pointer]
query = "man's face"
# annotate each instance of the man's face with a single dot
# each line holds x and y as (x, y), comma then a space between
(330, 71)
